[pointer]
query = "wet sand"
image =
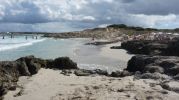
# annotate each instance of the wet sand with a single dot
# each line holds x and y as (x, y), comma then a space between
(119, 54)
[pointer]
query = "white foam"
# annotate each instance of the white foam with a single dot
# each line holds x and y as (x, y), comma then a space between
(18, 45)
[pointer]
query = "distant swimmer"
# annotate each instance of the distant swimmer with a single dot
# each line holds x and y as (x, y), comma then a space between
(36, 37)
(11, 36)
(26, 37)
(3, 37)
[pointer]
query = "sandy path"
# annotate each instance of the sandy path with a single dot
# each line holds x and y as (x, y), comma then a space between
(51, 85)
(119, 54)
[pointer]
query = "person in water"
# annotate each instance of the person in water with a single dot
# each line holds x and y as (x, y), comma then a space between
(26, 37)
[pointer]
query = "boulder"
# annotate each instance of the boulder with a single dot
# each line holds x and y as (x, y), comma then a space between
(120, 73)
(82, 72)
(153, 69)
(101, 72)
(116, 74)
(62, 63)
(151, 47)
(168, 65)
(151, 76)
(31, 63)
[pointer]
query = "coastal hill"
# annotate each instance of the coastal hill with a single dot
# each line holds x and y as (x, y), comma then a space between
(111, 31)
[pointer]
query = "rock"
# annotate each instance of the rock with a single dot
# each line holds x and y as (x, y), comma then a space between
(153, 69)
(31, 63)
(66, 72)
(82, 72)
(120, 73)
(176, 77)
(168, 65)
(116, 47)
(10, 71)
(165, 86)
(101, 72)
(138, 63)
(125, 73)
(146, 47)
(173, 48)
(116, 74)
(151, 76)
(62, 63)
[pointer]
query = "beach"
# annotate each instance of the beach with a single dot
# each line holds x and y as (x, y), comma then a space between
(50, 84)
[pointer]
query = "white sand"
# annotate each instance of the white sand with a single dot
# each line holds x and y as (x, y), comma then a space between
(51, 85)
(119, 54)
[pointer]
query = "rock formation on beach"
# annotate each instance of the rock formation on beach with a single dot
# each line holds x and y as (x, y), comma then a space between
(10, 71)
(164, 48)
(161, 73)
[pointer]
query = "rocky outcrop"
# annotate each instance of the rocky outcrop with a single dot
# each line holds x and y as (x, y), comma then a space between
(169, 48)
(168, 65)
(83, 72)
(61, 63)
(145, 47)
(10, 71)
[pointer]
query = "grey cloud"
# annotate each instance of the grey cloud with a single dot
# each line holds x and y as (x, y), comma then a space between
(153, 7)
(39, 15)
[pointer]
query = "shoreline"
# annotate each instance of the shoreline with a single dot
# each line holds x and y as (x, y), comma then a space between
(106, 51)
(145, 78)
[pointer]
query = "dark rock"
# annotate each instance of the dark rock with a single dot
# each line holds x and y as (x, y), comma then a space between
(66, 72)
(116, 74)
(146, 47)
(116, 47)
(138, 63)
(82, 72)
(173, 48)
(151, 76)
(31, 63)
(125, 73)
(101, 72)
(168, 65)
(153, 69)
(120, 73)
(165, 86)
(62, 63)
(176, 77)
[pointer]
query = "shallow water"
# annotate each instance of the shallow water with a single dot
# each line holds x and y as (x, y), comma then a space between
(87, 56)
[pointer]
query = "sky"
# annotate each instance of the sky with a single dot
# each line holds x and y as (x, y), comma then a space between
(75, 15)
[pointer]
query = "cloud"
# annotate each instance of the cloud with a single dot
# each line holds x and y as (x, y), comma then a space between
(68, 15)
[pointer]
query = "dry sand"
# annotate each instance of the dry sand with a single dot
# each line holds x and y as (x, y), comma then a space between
(51, 85)
(119, 54)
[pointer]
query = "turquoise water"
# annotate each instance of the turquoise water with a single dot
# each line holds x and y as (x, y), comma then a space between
(87, 56)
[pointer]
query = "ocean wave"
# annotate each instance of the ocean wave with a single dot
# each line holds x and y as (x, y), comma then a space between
(18, 45)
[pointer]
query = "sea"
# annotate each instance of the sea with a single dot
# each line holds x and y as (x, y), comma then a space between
(86, 56)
